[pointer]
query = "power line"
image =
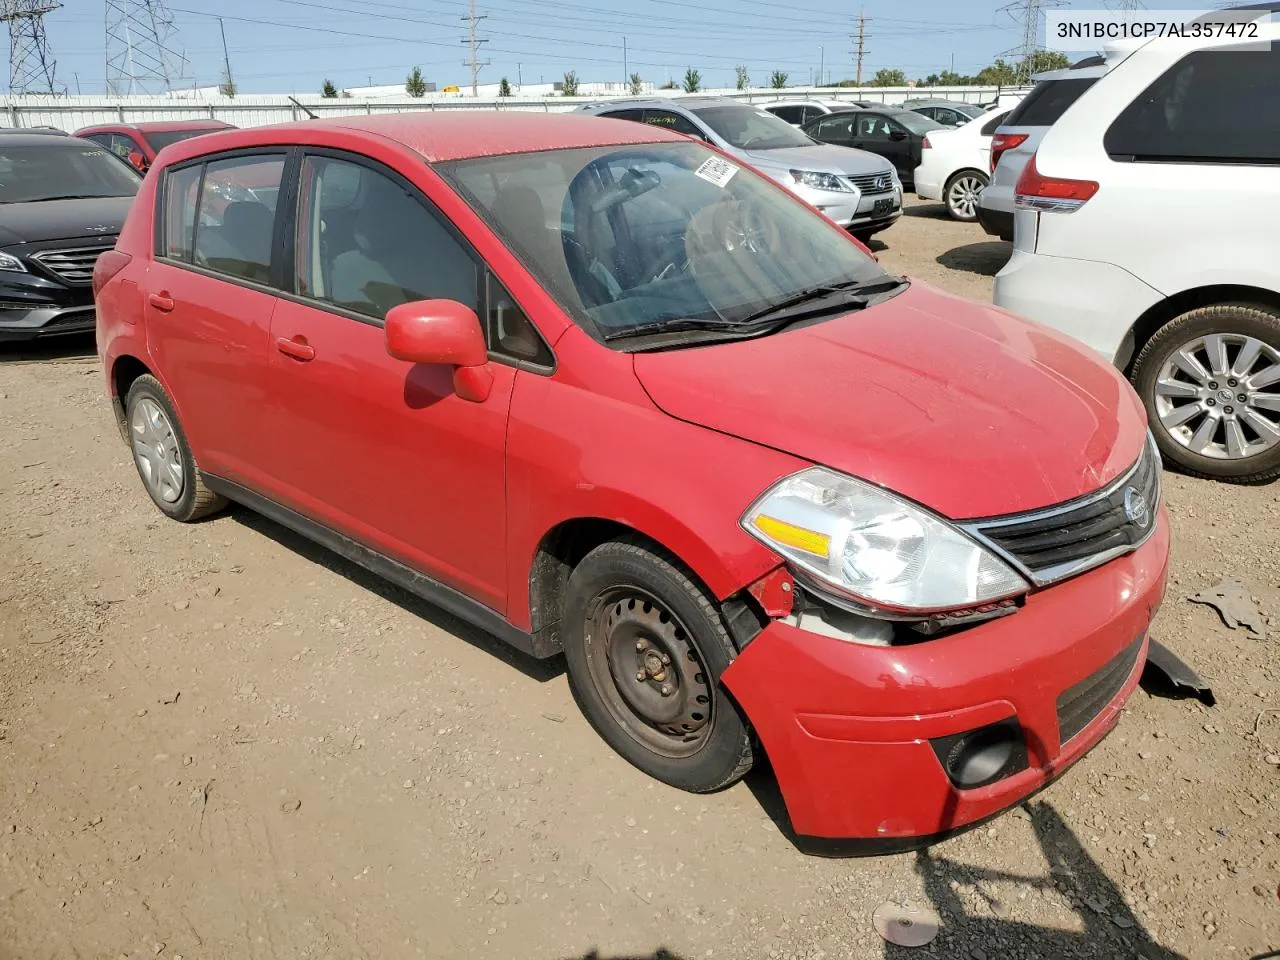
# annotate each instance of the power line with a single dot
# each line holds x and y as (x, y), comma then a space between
(31, 63)
(1029, 13)
(140, 47)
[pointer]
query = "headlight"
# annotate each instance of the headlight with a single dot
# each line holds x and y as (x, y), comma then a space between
(879, 550)
(9, 262)
(820, 181)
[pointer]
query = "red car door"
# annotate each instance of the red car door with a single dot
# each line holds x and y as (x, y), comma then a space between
(209, 304)
(379, 449)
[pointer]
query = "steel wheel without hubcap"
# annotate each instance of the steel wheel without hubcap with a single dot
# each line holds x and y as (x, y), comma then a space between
(962, 196)
(155, 448)
(1219, 396)
(648, 672)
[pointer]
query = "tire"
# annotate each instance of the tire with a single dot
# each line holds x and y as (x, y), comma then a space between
(864, 236)
(1181, 402)
(957, 210)
(169, 475)
(625, 594)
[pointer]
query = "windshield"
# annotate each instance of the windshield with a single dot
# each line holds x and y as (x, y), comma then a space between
(750, 129)
(970, 110)
(60, 169)
(159, 141)
(626, 237)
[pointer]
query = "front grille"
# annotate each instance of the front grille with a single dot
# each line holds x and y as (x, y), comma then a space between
(73, 266)
(1081, 703)
(1060, 542)
(873, 182)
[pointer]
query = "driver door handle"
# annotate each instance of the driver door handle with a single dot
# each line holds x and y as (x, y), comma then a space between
(298, 348)
(161, 301)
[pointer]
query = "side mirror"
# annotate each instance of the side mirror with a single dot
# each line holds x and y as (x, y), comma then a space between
(137, 161)
(898, 135)
(442, 332)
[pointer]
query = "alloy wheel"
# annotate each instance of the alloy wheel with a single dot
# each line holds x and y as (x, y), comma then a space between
(962, 197)
(156, 451)
(1219, 396)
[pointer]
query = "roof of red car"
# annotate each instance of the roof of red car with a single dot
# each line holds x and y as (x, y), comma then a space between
(455, 135)
(160, 126)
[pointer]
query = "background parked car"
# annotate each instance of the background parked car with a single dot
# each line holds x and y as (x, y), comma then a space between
(1146, 226)
(138, 143)
(45, 131)
(857, 190)
(954, 164)
(1023, 129)
(896, 135)
(949, 113)
(63, 201)
(799, 112)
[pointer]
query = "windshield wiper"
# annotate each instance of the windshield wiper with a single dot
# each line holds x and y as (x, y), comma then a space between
(853, 290)
(671, 325)
(70, 196)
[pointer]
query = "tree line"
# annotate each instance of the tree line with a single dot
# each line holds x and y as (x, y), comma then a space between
(1001, 73)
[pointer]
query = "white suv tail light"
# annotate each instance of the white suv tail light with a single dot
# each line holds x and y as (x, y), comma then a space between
(1056, 194)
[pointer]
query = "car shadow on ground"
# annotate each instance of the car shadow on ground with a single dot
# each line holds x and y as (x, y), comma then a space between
(928, 211)
(539, 670)
(1111, 929)
(79, 346)
(984, 258)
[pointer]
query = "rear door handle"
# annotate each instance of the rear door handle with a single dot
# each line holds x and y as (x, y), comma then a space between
(298, 348)
(161, 301)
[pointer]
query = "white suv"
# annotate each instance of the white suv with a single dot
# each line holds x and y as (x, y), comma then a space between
(1147, 225)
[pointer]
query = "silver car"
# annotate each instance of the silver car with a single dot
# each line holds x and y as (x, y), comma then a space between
(858, 190)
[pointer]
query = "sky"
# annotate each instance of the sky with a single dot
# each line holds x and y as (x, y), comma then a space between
(292, 46)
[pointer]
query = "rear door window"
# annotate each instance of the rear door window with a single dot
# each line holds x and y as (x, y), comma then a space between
(989, 128)
(237, 216)
(1047, 101)
(1212, 106)
(791, 114)
(636, 115)
(673, 121)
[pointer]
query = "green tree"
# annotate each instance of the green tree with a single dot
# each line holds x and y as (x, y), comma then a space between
(635, 84)
(670, 85)
(692, 81)
(998, 74)
(743, 78)
(570, 86)
(889, 77)
(777, 79)
(414, 84)
(329, 91)
(504, 87)
(1041, 60)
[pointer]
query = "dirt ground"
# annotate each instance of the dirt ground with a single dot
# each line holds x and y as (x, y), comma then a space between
(218, 741)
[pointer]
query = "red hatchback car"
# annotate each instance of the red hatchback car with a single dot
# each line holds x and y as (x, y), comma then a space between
(138, 143)
(599, 389)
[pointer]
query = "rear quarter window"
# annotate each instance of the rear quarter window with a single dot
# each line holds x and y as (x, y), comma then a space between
(1213, 106)
(1047, 101)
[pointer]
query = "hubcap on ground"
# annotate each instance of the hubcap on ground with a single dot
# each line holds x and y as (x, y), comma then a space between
(963, 196)
(1219, 396)
(645, 665)
(155, 448)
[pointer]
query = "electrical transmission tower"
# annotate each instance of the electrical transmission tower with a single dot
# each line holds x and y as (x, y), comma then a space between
(141, 56)
(1030, 13)
(472, 20)
(31, 62)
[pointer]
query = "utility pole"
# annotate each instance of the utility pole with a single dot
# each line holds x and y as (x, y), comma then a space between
(471, 19)
(519, 77)
(626, 77)
(229, 84)
(822, 64)
(862, 44)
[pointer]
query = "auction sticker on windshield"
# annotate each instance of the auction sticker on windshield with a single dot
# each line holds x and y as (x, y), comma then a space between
(716, 170)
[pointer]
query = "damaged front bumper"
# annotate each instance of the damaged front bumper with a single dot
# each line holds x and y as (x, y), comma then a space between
(898, 744)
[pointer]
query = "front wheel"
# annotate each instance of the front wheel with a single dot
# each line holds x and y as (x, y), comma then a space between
(961, 195)
(645, 649)
(1210, 380)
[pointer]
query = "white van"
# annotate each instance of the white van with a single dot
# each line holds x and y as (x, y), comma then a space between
(1147, 224)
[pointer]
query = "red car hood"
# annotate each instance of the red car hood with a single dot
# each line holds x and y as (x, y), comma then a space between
(959, 406)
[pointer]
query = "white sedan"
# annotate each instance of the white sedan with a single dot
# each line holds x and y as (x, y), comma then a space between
(955, 165)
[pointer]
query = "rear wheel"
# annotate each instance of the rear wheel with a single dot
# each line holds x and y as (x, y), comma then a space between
(645, 649)
(1210, 380)
(162, 455)
(961, 195)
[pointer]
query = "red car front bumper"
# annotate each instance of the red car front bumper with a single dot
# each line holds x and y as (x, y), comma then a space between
(847, 727)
